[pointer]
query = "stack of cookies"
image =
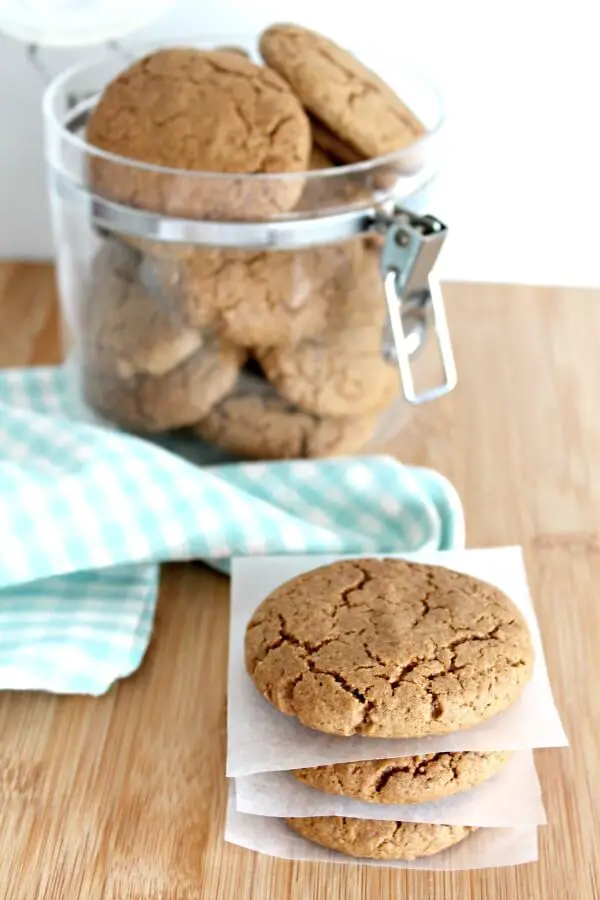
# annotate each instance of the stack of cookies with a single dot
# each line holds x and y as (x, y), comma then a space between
(265, 354)
(385, 648)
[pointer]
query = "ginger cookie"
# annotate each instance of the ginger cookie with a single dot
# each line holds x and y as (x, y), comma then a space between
(366, 185)
(341, 371)
(257, 299)
(334, 189)
(353, 103)
(194, 111)
(320, 159)
(326, 142)
(143, 368)
(388, 648)
(255, 422)
(406, 779)
(371, 839)
(233, 48)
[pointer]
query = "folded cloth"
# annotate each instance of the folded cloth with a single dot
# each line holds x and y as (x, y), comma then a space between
(87, 513)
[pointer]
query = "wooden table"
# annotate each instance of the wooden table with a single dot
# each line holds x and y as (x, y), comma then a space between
(122, 798)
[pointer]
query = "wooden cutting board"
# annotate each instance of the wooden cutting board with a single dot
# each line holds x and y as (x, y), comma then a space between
(122, 797)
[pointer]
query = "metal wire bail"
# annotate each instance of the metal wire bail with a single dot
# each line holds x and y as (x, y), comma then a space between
(411, 247)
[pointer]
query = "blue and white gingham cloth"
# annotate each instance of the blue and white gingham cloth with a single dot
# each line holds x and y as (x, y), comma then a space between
(87, 513)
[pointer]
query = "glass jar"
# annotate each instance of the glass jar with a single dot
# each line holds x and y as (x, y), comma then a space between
(271, 316)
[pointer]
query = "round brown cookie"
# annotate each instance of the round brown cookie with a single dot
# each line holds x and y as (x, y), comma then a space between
(255, 422)
(370, 185)
(152, 404)
(405, 779)
(320, 159)
(373, 839)
(353, 103)
(321, 192)
(334, 189)
(388, 648)
(124, 315)
(195, 111)
(326, 141)
(233, 48)
(340, 371)
(143, 368)
(257, 299)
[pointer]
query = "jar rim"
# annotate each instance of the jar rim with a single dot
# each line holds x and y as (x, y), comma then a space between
(58, 86)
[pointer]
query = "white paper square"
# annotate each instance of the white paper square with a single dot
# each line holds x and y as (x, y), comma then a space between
(484, 849)
(262, 739)
(511, 798)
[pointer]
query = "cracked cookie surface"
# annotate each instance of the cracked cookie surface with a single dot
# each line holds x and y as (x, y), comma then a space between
(357, 106)
(370, 839)
(388, 648)
(405, 779)
(142, 367)
(340, 371)
(338, 187)
(191, 111)
(257, 299)
(325, 141)
(255, 422)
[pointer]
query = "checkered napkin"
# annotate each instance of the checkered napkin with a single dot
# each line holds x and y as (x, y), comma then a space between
(87, 513)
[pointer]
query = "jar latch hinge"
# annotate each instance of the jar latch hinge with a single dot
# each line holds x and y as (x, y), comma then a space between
(410, 250)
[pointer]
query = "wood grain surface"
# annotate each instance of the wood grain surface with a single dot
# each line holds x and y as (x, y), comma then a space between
(122, 797)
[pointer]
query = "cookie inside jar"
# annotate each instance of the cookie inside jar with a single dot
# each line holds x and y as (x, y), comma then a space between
(254, 421)
(341, 371)
(143, 368)
(270, 346)
(256, 299)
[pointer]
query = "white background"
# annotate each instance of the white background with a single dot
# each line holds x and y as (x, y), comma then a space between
(521, 189)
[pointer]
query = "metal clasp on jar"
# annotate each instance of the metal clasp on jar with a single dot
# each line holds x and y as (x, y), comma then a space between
(410, 250)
